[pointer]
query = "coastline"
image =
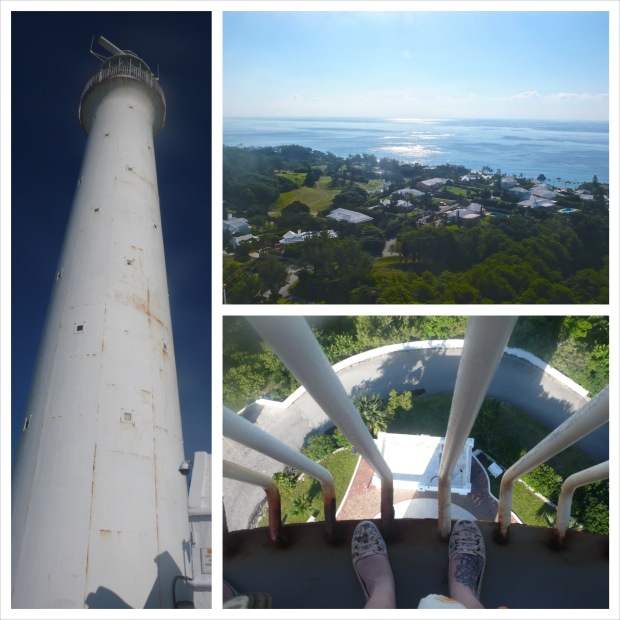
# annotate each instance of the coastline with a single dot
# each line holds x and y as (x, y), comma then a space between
(572, 151)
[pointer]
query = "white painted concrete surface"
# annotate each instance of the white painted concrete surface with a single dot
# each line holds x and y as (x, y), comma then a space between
(99, 507)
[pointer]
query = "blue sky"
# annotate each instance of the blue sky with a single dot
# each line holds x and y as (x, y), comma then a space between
(466, 64)
(48, 75)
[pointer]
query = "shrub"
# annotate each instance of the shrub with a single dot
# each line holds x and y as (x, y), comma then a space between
(320, 446)
(341, 440)
(398, 404)
(545, 480)
(591, 507)
(286, 479)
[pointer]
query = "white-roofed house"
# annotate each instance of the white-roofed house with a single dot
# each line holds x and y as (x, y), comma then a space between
(291, 237)
(471, 212)
(543, 191)
(470, 178)
(585, 194)
(508, 182)
(345, 215)
(236, 225)
(408, 191)
(520, 193)
(534, 202)
(236, 241)
(430, 184)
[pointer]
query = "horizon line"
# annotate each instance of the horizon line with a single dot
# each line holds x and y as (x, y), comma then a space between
(418, 118)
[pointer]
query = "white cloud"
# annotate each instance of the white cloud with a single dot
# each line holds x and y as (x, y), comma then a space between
(527, 94)
(582, 96)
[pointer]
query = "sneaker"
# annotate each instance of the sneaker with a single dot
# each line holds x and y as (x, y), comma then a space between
(467, 540)
(367, 540)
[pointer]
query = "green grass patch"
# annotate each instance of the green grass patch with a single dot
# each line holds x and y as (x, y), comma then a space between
(429, 416)
(459, 191)
(341, 465)
(317, 198)
(529, 507)
(388, 265)
(296, 177)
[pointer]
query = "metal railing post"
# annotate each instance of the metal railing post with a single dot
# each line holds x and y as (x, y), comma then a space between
(592, 415)
(249, 476)
(485, 341)
(293, 342)
(578, 479)
(239, 429)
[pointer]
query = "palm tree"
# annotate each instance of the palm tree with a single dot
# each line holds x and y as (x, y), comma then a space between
(301, 505)
(373, 412)
(573, 524)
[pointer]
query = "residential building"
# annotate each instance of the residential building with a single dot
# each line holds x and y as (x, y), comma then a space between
(291, 237)
(543, 191)
(508, 182)
(345, 215)
(535, 202)
(236, 225)
(471, 212)
(408, 191)
(235, 241)
(519, 192)
(430, 185)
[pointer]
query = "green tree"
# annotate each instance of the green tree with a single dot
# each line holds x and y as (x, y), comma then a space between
(273, 274)
(295, 216)
(241, 283)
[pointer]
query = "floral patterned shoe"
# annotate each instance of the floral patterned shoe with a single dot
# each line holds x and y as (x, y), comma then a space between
(367, 540)
(467, 542)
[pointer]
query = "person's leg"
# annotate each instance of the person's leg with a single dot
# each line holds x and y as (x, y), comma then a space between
(466, 564)
(370, 561)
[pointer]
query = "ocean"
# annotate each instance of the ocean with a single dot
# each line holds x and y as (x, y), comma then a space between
(571, 151)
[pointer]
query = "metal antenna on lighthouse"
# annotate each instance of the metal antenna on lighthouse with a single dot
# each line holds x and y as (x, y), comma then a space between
(109, 46)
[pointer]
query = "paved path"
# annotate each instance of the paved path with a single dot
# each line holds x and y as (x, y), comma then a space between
(364, 500)
(516, 382)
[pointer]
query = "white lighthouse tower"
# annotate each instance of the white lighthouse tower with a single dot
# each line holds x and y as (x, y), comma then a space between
(100, 510)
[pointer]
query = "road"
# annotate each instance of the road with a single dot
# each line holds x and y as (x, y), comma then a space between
(516, 382)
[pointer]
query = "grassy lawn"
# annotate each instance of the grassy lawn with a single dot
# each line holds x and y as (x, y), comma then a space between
(341, 465)
(529, 507)
(387, 264)
(317, 198)
(296, 177)
(459, 191)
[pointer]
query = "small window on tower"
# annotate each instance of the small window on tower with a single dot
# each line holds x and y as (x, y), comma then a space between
(79, 327)
(59, 275)
(105, 135)
(130, 168)
(27, 423)
(129, 261)
(96, 209)
(127, 416)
